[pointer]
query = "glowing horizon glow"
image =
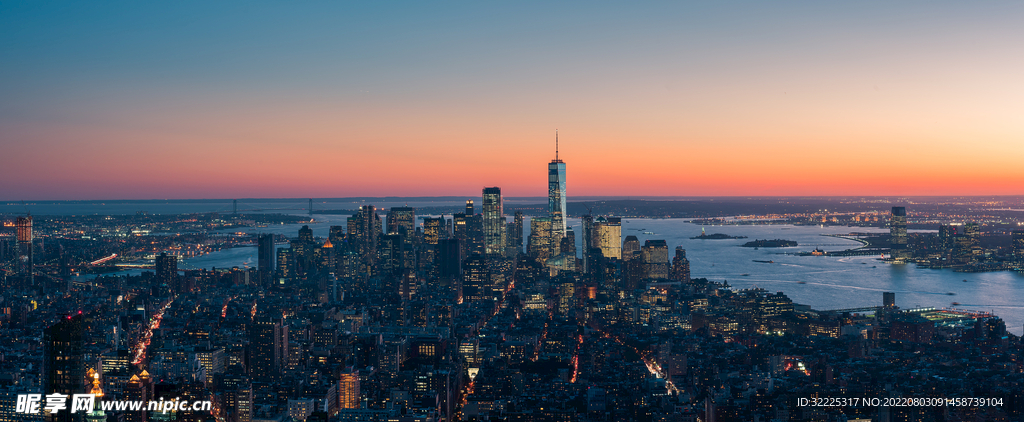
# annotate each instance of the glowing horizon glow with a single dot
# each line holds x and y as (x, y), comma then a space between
(196, 100)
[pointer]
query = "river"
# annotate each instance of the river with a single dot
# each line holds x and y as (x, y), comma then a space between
(819, 281)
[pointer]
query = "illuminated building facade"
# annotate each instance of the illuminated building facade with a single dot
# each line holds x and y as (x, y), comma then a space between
(348, 390)
(402, 220)
(608, 236)
(493, 222)
(898, 234)
(539, 246)
(26, 263)
(655, 256)
(556, 196)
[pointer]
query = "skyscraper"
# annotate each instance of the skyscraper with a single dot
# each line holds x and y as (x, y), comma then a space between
(167, 271)
(476, 279)
(493, 222)
(655, 255)
(449, 259)
(265, 346)
(434, 230)
(589, 239)
(629, 245)
(898, 234)
(364, 230)
(265, 258)
(64, 362)
(947, 235)
(348, 390)
(517, 232)
(26, 263)
(608, 236)
(402, 220)
(234, 395)
(898, 227)
(680, 266)
(556, 196)
(539, 246)
(391, 254)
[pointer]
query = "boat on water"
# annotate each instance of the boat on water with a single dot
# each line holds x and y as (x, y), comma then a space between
(745, 275)
(965, 280)
(801, 282)
(950, 294)
(956, 303)
(764, 262)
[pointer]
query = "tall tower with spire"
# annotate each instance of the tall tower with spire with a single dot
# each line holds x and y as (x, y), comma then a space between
(556, 196)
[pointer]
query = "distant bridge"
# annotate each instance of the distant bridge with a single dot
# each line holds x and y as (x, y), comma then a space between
(851, 310)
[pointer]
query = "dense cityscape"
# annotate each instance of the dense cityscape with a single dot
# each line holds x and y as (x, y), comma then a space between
(396, 316)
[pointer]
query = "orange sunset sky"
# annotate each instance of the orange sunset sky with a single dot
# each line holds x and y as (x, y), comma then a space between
(192, 100)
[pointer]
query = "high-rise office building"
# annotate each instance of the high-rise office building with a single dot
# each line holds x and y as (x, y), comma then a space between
(64, 363)
(655, 256)
(898, 227)
(348, 389)
(589, 239)
(517, 231)
(265, 346)
(26, 263)
(476, 279)
(460, 230)
(392, 249)
(336, 235)
(306, 235)
(630, 245)
(433, 230)
(285, 265)
(139, 388)
(402, 220)
(449, 259)
(265, 258)
(608, 236)
(234, 395)
(680, 266)
(115, 366)
(556, 196)
(567, 251)
(493, 222)
(167, 271)
(364, 230)
(898, 235)
(539, 246)
(947, 235)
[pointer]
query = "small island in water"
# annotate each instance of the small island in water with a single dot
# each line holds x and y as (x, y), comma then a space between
(773, 243)
(715, 236)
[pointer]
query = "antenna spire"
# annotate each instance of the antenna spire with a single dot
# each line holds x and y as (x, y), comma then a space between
(556, 144)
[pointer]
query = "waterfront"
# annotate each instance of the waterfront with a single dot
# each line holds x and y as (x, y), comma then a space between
(819, 281)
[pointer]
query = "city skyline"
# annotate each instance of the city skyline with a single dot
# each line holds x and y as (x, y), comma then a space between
(123, 102)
